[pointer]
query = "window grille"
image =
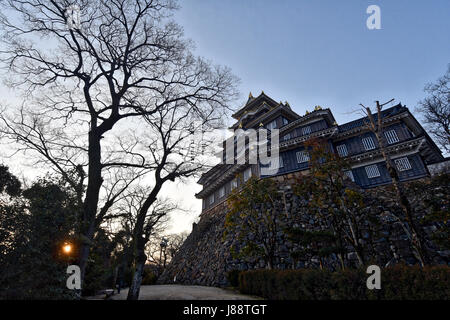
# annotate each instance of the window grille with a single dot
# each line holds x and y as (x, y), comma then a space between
(247, 173)
(391, 136)
(302, 156)
(306, 130)
(372, 171)
(349, 174)
(342, 150)
(403, 164)
(368, 143)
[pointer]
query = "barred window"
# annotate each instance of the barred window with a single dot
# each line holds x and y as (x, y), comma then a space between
(368, 143)
(372, 171)
(302, 156)
(285, 121)
(211, 199)
(349, 174)
(234, 184)
(221, 192)
(391, 136)
(306, 130)
(287, 137)
(342, 150)
(247, 173)
(403, 164)
(275, 164)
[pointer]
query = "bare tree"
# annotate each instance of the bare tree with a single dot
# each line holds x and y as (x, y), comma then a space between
(377, 127)
(124, 60)
(162, 249)
(435, 110)
(145, 223)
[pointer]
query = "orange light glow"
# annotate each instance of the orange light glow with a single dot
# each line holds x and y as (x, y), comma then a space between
(67, 248)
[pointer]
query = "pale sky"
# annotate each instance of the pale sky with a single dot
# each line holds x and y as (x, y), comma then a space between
(314, 53)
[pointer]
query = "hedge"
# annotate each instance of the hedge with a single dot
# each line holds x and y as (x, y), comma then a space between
(233, 277)
(399, 282)
(148, 278)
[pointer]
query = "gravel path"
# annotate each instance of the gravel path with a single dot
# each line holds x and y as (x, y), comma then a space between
(180, 292)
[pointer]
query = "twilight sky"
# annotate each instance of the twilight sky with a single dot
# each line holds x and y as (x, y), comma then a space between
(321, 52)
(315, 53)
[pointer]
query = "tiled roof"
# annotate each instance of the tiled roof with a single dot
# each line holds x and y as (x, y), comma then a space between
(360, 122)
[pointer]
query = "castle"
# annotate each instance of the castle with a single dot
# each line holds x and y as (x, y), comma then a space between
(206, 256)
(409, 146)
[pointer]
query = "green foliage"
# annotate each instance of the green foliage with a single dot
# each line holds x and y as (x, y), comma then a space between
(316, 243)
(99, 272)
(8, 182)
(399, 282)
(233, 277)
(334, 201)
(32, 231)
(437, 204)
(254, 217)
(414, 283)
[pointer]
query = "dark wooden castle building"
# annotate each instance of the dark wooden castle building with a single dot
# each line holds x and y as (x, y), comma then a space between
(407, 142)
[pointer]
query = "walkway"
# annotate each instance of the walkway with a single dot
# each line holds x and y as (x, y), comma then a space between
(180, 292)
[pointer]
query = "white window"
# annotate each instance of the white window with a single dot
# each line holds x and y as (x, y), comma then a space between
(247, 173)
(280, 162)
(391, 136)
(211, 199)
(372, 171)
(272, 125)
(349, 174)
(285, 121)
(233, 184)
(342, 150)
(306, 130)
(403, 164)
(302, 156)
(368, 143)
(221, 192)
(287, 137)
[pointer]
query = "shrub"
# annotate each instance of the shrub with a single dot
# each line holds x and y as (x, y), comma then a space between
(233, 277)
(399, 282)
(148, 278)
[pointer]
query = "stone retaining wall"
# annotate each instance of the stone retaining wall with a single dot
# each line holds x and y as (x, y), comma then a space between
(205, 257)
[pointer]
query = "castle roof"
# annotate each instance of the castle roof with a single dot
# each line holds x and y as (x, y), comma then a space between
(363, 121)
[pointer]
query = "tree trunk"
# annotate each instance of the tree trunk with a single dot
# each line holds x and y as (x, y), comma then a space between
(133, 293)
(95, 181)
(141, 240)
(416, 239)
(341, 260)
